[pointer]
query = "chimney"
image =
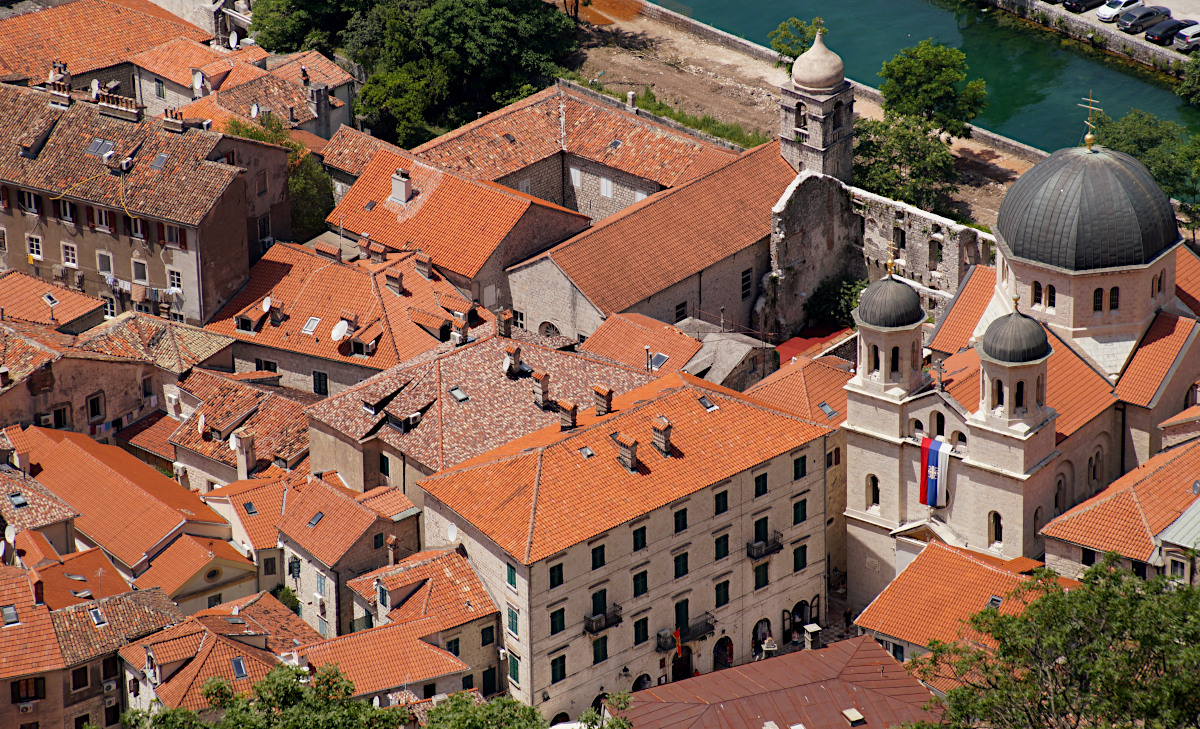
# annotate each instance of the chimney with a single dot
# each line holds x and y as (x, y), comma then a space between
(246, 459)
(812, 636)
(504, 323)
(304, 75)
(393, 545)
(395, 279)
(662, 434)
(318, 104)
(629, 97)
(649, 360)
(512, 360)
(567, 413)
(292, 114)
(59, 74)
(5, 377)
(603, 397)
(172, 121)
(541, 389)
(276, 314)
(119, 107)
(627, 452)
(424, 266)
(401, 186)
(21, 461)
(350, 318)
(364, 244)
(60, 94)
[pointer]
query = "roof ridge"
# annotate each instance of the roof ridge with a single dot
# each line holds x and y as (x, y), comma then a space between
(537, 484)
(531, 100)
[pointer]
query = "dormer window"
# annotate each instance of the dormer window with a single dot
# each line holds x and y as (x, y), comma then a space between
(244, 324)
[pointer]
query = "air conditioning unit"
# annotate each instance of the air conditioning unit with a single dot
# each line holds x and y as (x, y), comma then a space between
(45, 420)
(268, 241)
(108, 156)
(503, 654)
(127, 164)
(110, 686)
(456, 337)
(110, 701)
(27, 707)
(172, 399)
(414, 420)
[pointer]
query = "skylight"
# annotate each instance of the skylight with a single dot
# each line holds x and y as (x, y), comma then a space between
(84, 594)
(159, 161)
(250, 508)
(310, 326)
(234, 620)
(586, 452)
(316, 518)
(659, 360)
(97, 617)
(239, 668)
(370, 205)
(458, 394)
(829, 412)
(77, 578)
(9, 613)
(614, 144)
(510, 138)
(994, 601)
(49, 299)
(708, 405)
(18, 500)
(99, 147)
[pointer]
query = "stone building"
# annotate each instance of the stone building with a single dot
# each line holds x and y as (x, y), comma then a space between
(634, 521)
(179, 71)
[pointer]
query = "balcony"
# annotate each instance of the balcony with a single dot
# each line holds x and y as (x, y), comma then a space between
(695, 630)
(758, 550)
(600, 621)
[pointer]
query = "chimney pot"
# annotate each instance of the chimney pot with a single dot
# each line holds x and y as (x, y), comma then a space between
(627, 452)
(395, 279)
(629, 97)
(603, 398)
(812, 636)
(424, 266)
(567, 414)
(512, 360)
(504, 323)
(662, 434)
(541, 389)
(393, 545)
(246, 458)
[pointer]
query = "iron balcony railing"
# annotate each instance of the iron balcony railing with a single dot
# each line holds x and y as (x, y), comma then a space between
(758, 550)
(600, 621)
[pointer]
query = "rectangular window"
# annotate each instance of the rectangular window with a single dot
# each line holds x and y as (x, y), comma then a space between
(639, 539)
(269, 566)
(761, 576)
(62, 418)
(95, 406)
(104, 263)
(70, 255)
(800, 511)
(799, 468)
(600, 650)
(721, 547)
(160, 88)
(800, 558)
(139, 272)
(322, 627)
(597, 556)
(556, 575)
(34, 244)
(30, 202)
(385, 465)
(641, 631)
(143, 308)
(680, 311)
(80, 679)
(66, 211)
(722, 593)
(512, 576)
(575, 177)
(558, 621)
(260, 183)
(518, 319)
(137, 228)
(747, 283)
(109, 668)
(606, 187)
(514, 624)
(173, 234)
(681, 565)
(3, 240)
(378, 541)
(760, 485)
(599, 602)
(321, 584)
(721, 502)
(514, 669)
(523, 186)
(112, 715)
(680, 520)
(215, 600)
(487, 636)
(681, 614)
(1177, 568)
(28, 689)
(452, 646)
(106, 220)
(468, 682)
(175, 279)
(641, 583)
(898, 652)
(320, 383)
(760, 529)
(294, 568)
(1089, 557)
(83, 721)
(558, 668)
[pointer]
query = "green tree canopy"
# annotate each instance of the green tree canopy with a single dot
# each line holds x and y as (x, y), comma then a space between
(794, 36)
(927, 81)
(834, 300)
(503, 712)
(1117, 652)
(904, 158)
(1189, 88)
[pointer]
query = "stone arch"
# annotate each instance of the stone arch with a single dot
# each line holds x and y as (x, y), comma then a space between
(722, 654)
(995, 528)
(1038, 523)
(1019, 396)
(1098, 300)
(997, 393)
(872, 493)
(562, 717)
(874, 359)
(643, 682)
(939, 423)
(958, 439)
(916, 427)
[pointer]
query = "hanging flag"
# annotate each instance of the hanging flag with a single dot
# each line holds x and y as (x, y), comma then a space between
(935, 460)
(678, 643)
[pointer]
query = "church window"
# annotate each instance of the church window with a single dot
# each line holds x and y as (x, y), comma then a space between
(1019, 395)
(874, 358)
(1153, 286)
(1098, 300)
(872, 492)
(1040, 394)
(895, 363)
(1114, 298)
(918, 428)
(995, 529)
(939, 421)
(916, 362)
(997, 393)
(1037, 293)
(1161, 276)
(1049, 297)
(1091, 472)
(1060, 496)
(1037, 521)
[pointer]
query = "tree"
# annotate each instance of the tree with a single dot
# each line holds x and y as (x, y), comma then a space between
(281, 26)
(459, 711)
(904, 158)
(1189, 88)
(926, 81)
(794, 36)
(619, 703)
(1117, 652)
(310, 189)
(834, 300)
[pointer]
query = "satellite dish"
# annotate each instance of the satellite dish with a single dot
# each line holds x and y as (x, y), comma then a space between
(233, 40)
(452, 532)
(266, 303)
(10, 533)
(232, 442)
(339, 330)
(95, 86)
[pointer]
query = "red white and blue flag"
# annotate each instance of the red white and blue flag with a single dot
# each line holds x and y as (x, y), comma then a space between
(935, 460)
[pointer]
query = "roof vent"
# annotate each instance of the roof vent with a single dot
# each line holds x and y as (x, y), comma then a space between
(854, 717)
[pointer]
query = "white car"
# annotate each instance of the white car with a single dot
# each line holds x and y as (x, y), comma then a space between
(1113, 9)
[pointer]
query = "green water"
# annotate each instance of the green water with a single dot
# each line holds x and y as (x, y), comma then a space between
(1034, 78)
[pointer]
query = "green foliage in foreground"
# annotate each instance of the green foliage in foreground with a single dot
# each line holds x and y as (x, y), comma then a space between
(707, 124)
(928, 81)
(794, 36)
(834, 300)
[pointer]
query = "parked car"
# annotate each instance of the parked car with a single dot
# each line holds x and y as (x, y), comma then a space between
(1139, 19)
(1164, 32)
(1114, 9)
(1188, 39)
(1079, 6)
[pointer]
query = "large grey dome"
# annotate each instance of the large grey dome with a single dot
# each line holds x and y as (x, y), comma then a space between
(889, 303)
(1015, 338)
(1081, 210)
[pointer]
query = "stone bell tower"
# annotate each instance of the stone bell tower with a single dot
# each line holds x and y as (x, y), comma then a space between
(816, 130)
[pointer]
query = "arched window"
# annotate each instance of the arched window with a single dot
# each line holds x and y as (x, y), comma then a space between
(1153, 287)
(918, 428)
(1037, 521)
(1037, 293)
(995, 529)
(1091, 472)
(1040, 395)
(1049, 297)
(997, 393)
(1114, 298)
(1019, 395)
(874, 358)
(1060, 496)
(1097, 467)
(894, 365)
(872, 492)
(1098, 300)
(939, 421)
(1161, 276)
(837, 456)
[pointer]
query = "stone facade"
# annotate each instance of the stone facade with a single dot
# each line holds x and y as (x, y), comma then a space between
(158, 94)
(296, 370)
(816, 130)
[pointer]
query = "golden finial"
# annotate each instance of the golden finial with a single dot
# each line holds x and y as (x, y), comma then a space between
(891, 263)
(1016, 297)
(1089, 139)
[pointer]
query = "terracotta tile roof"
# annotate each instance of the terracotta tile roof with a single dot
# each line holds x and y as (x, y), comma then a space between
(174, 643)
(22, 296)
(802, 386)
(247, 85)
(308, 139)
(214, 658)
(1153, 358)
(447, 588)
(79, 577)
(1187, 278)
(1127, 516)
(308, 285)
(349, 150)
(285, 629)
(386, 501)
(809, 688)
(87, 35)
(342, 523)
(1187, 416)
(185, 558)
(34, 550)
(30, 646)
(196, 184)
(498, 408)
(152, 433)
(173, 346)
(954, 331)
(386, 657)
(561, 119)
(23, 356)
(265, 497)
(127, 617)
(624, 337)
(459, 222)
(538, 495)
(175, 59)
(26, 503)
(321, 70)
(668, 237)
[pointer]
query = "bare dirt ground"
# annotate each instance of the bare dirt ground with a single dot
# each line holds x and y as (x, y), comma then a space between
(627, 52)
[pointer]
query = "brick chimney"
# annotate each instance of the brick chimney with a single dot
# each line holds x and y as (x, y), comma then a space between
(512, 360)
(172, 121)
(395, 279)
(401, 186)
(603, 398)
(59, 73)
(246, 458)
(627, 452)
(5, 376)
(504, 323)
(661, 436)
(60, 94)
(424, 266)
(393, 545)
(541, 389)
(567, 414)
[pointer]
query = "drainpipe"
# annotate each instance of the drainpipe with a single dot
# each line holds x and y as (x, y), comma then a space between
(1124, 435)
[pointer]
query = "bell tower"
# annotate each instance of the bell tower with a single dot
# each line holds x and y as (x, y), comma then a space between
(816, 130)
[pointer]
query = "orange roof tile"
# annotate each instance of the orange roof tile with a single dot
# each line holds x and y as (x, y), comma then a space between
(214, 659)
(349, 150)
(248, 85)
(1161, 347)
(1127, 516)
(29, 646)
(152, 433)
(185, 558)
(1187, 278)
(1187, 416)
(78, 577)
(34, 550)
(26, 503)
(285, 629)
(538, 495)
(127, 616)
(173, 346)
(386, 501)
(23, 297)
(672, 235)
(446, 588)
(175, 59)
(954, 331)
(308, 139)
(321, 70)
(459, 222)
(263, 496)
(624, 338)
(342, 523)
(803, 386)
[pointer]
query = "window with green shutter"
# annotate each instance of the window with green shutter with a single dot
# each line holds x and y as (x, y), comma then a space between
(722, 593)
(721, 502)
(600, 649)
(760, 485)
(721, 547)
(800, 511)
(558, 621)
(800, 558)
(514, 669)
(513, 623)
(799, 468)
(681, 565)
(556, 575)
(761, 576)
(641, 583)
(639, 538)
(512, 576)
(597, 556)
(641, 631)
(680, 520)
(558, 668)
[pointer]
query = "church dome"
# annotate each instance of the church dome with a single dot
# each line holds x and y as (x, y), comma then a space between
(889, 303)
(1015, 338)
(1081, 210)
(818, 68)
